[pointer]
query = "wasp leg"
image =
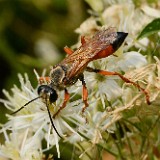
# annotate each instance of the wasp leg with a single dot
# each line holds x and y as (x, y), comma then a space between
(44, 79)
(68, 50)
(107, 73)
(66, 98)
(83, 41)
(85, 93)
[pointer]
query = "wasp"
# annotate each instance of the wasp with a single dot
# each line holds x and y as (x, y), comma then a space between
(66, 73)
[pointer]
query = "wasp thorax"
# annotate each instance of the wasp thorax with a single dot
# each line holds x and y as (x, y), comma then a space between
(47, 93)
(58, 75)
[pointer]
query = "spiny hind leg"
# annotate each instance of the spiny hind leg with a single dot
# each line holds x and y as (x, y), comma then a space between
(107, 73)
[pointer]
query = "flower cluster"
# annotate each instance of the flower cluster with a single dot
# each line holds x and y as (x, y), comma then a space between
(109, 97)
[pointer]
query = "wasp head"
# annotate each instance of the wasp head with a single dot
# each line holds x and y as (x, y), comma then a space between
(46, 92)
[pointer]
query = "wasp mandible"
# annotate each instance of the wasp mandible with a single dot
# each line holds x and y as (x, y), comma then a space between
(66, 73)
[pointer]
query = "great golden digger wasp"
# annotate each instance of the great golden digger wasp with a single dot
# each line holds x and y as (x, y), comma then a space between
(102, 44)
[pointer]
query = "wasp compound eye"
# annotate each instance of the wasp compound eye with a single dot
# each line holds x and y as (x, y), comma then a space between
(119, 40)
(47, 92)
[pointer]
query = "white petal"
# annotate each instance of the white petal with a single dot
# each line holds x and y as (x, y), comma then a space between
(111, 89)
(151, 11)
(132, 60)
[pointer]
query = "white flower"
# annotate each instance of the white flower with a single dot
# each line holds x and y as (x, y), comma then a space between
(152, 12)
(21, 146)
(88, 27)
(128, 18)
(128, 61)
(34, 116)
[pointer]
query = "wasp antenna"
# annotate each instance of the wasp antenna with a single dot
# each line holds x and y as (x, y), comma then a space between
(25, 105)
(50, 117)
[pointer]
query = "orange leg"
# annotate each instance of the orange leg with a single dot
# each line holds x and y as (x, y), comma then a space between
(83, 41)
(85, 94)
(68, 50)
(44, 79)
(66, 98)
(106, 73)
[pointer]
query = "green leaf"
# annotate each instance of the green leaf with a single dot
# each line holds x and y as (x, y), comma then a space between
(151, 28)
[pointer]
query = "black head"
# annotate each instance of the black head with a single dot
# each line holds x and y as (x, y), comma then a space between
(47, 92)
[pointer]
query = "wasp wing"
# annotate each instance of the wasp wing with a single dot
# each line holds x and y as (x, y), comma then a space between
(78, 60)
